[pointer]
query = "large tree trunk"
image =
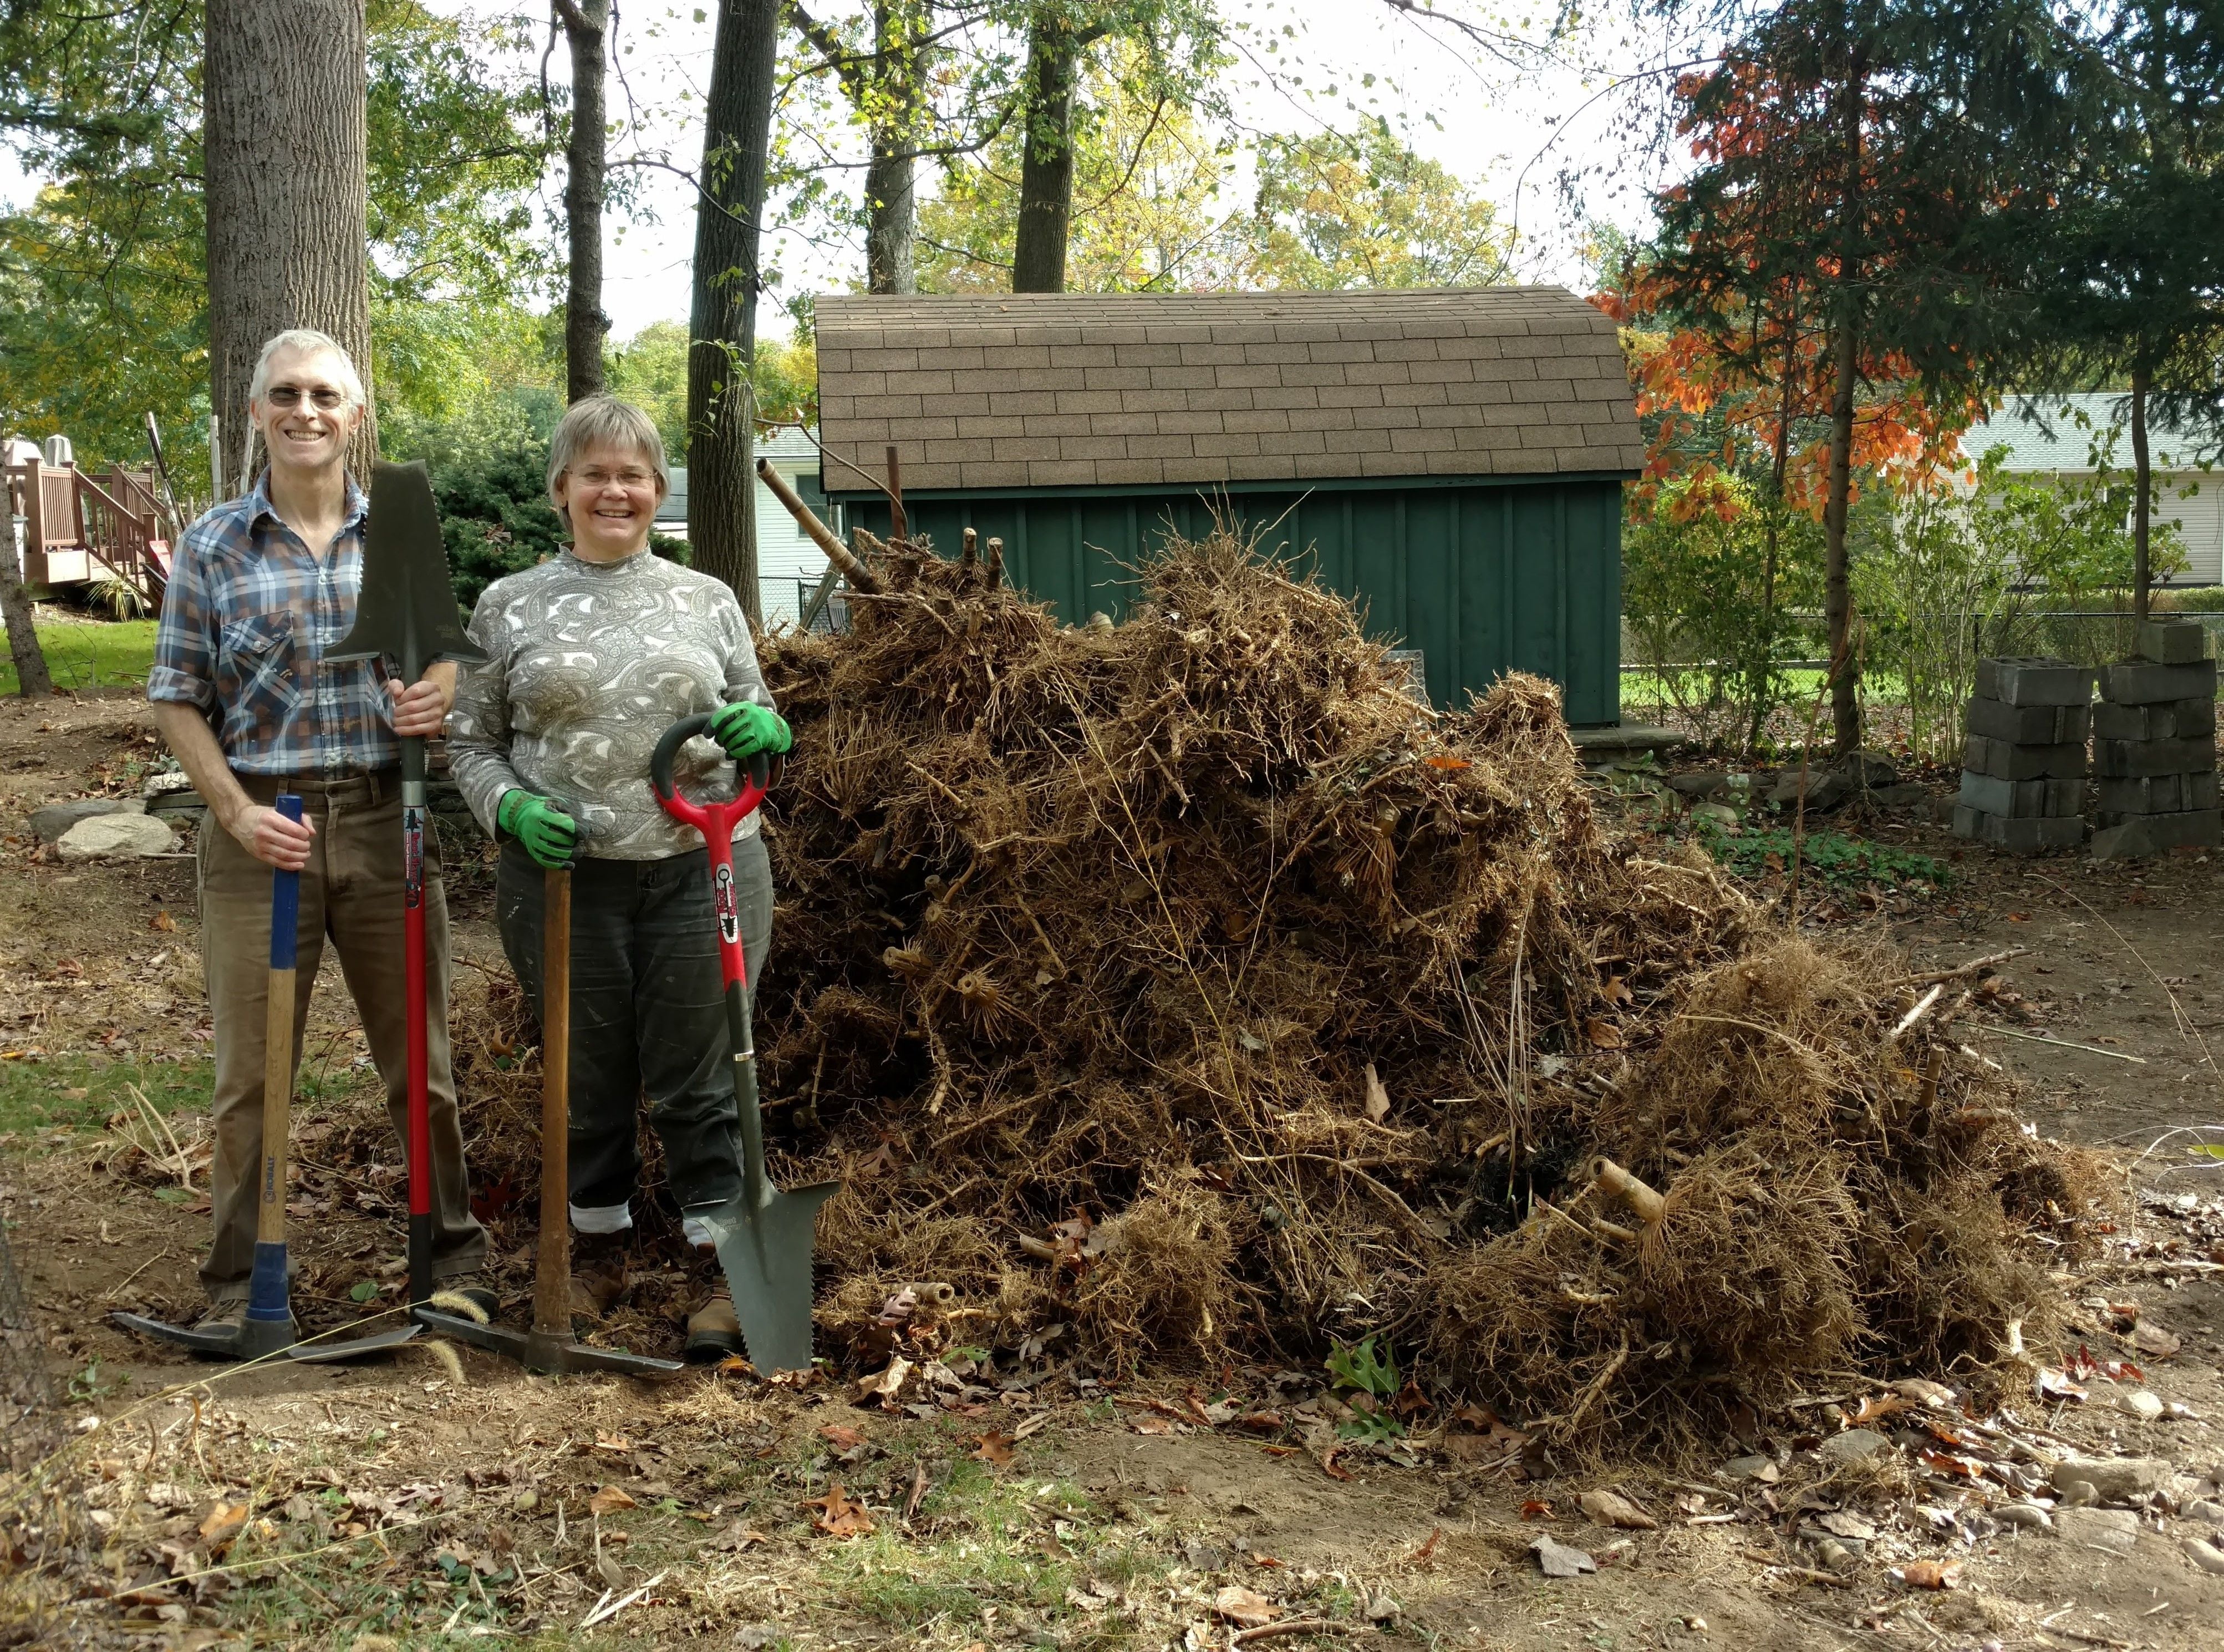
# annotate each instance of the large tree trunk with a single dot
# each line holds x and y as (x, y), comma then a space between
(891, 214)
(1046, 215)
(32, 678)
(284, 165)
(737, 126)
(2142, 510)
(586, 27)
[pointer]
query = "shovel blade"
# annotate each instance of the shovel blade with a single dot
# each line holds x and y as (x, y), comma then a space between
(407, 607)
(766, 1256)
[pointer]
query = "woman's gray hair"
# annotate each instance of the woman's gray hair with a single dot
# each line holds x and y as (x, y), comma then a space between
(598, 420)
(309, 342)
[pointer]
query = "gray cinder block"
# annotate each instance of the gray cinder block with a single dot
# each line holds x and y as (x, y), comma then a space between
(2156, 834)
(2176, 719)
(2143, 682)
(2026, 836)
(2156, 795)
(2135, 759)
(2028, 726)
(2169, 641)
(1981, 755)
(2021, 799)
(2034, 682)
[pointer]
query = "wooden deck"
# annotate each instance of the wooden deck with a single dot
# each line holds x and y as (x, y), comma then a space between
(79, 530)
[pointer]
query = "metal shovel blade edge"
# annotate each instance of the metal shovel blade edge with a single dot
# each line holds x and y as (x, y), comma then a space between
(537, 1352)
(260, 1340)
(765, 1257)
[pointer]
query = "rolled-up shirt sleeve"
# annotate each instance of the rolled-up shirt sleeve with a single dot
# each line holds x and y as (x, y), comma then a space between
(478, 723)
(184, 672)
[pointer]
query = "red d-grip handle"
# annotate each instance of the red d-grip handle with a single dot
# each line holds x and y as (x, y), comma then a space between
(716, 821)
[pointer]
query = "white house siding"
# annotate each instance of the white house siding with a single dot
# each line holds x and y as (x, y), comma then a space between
(2057, 438)
(785, 553)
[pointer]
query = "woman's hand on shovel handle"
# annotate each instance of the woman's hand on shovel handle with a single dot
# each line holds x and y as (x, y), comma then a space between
(274, 839)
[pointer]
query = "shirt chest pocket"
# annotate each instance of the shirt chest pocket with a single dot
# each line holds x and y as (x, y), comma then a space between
(255, 658)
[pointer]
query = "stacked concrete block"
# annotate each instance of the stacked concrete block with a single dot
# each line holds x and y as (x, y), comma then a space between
(2022, 764)
(2154, 746)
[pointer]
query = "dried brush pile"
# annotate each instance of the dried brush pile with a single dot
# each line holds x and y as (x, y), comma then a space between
(1188, 983)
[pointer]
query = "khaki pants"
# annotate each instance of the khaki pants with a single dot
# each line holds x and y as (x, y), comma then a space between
(351, 892)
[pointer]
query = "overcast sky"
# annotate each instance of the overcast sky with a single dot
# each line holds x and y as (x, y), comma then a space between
(1511, 133)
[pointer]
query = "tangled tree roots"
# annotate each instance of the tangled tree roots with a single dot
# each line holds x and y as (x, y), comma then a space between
(1188, 982)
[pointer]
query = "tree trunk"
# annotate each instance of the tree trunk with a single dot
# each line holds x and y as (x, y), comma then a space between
(891, 214)
(737, 126)
(586, 27)
(1846, 356)
(1045, 214)
(33, 681)
(2142, 512)
(285, 183)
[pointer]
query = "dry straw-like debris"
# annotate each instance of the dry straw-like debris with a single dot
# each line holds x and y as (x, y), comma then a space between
(1087, 940)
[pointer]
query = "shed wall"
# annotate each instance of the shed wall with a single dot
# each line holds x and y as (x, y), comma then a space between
(1482, 578)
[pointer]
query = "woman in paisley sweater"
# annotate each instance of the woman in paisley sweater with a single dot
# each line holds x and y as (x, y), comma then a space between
(593, 656)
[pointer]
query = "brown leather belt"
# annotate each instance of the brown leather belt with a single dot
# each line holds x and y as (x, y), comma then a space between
(345, 790)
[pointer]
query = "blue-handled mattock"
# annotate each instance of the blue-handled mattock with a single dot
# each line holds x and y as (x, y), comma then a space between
(269, 1327)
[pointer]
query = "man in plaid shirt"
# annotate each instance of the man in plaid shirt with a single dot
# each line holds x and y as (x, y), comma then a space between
(262, 587)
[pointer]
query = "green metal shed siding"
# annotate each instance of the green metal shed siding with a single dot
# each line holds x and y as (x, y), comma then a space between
(1484, 577)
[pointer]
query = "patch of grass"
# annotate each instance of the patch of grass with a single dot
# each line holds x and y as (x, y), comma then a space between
(996, 1545)
(78, 1092)
(111, 654)
(1841, 861)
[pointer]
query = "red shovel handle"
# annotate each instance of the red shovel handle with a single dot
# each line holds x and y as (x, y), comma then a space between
(716, 821)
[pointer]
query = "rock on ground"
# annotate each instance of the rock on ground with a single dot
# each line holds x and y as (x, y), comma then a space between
(122, 837)
(48, 824)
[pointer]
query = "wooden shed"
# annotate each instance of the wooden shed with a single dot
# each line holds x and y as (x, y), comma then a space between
(1453, 459)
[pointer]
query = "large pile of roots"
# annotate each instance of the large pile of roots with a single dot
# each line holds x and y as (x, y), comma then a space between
(1189, 983)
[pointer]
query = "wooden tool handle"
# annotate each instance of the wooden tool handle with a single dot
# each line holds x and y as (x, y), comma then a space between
(552, 1285)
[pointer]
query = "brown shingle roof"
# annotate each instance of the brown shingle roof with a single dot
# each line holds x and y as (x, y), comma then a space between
(1044, 389)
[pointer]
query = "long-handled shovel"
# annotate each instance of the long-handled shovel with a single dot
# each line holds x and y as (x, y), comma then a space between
(764, 1237)
(269, 1327)
(406, 613)
(549, 1346)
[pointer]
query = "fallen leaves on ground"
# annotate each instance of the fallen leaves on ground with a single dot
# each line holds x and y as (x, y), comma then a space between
(1610, 1509)
(841, 1434)
(839, 1515)
(1245, 1608)
(1329, 1463)
(1537, 1508)
(609, 1500)
(1930, 1574)
(885, 1384)
(993, 1449)
(223, 1524)
(1557, 1560)
(1378, 1098)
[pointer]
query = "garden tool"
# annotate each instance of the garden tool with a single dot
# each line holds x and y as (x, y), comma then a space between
(763, 1236)
(269, 1327)
(406, 614)
(550, 1346)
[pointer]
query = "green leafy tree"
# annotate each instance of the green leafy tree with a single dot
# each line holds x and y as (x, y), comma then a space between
(1362, 209)
(103, 294)
(1710, 584)
(1148, 175)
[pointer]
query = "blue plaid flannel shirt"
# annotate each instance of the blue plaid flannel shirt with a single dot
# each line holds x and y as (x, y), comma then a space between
(246, 622)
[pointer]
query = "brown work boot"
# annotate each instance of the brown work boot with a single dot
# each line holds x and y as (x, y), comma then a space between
(713, 1333)
(598, 1274)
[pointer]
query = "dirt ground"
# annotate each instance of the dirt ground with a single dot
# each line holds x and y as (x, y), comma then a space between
(1019, 1500)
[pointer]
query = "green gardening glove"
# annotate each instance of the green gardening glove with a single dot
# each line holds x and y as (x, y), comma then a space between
(549, 835)
(745, 729)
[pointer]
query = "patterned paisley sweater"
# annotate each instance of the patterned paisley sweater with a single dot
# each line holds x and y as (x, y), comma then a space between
(589, 663)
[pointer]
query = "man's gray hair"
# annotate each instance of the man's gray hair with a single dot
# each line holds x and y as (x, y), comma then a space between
(309, 342)
(597, 421)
